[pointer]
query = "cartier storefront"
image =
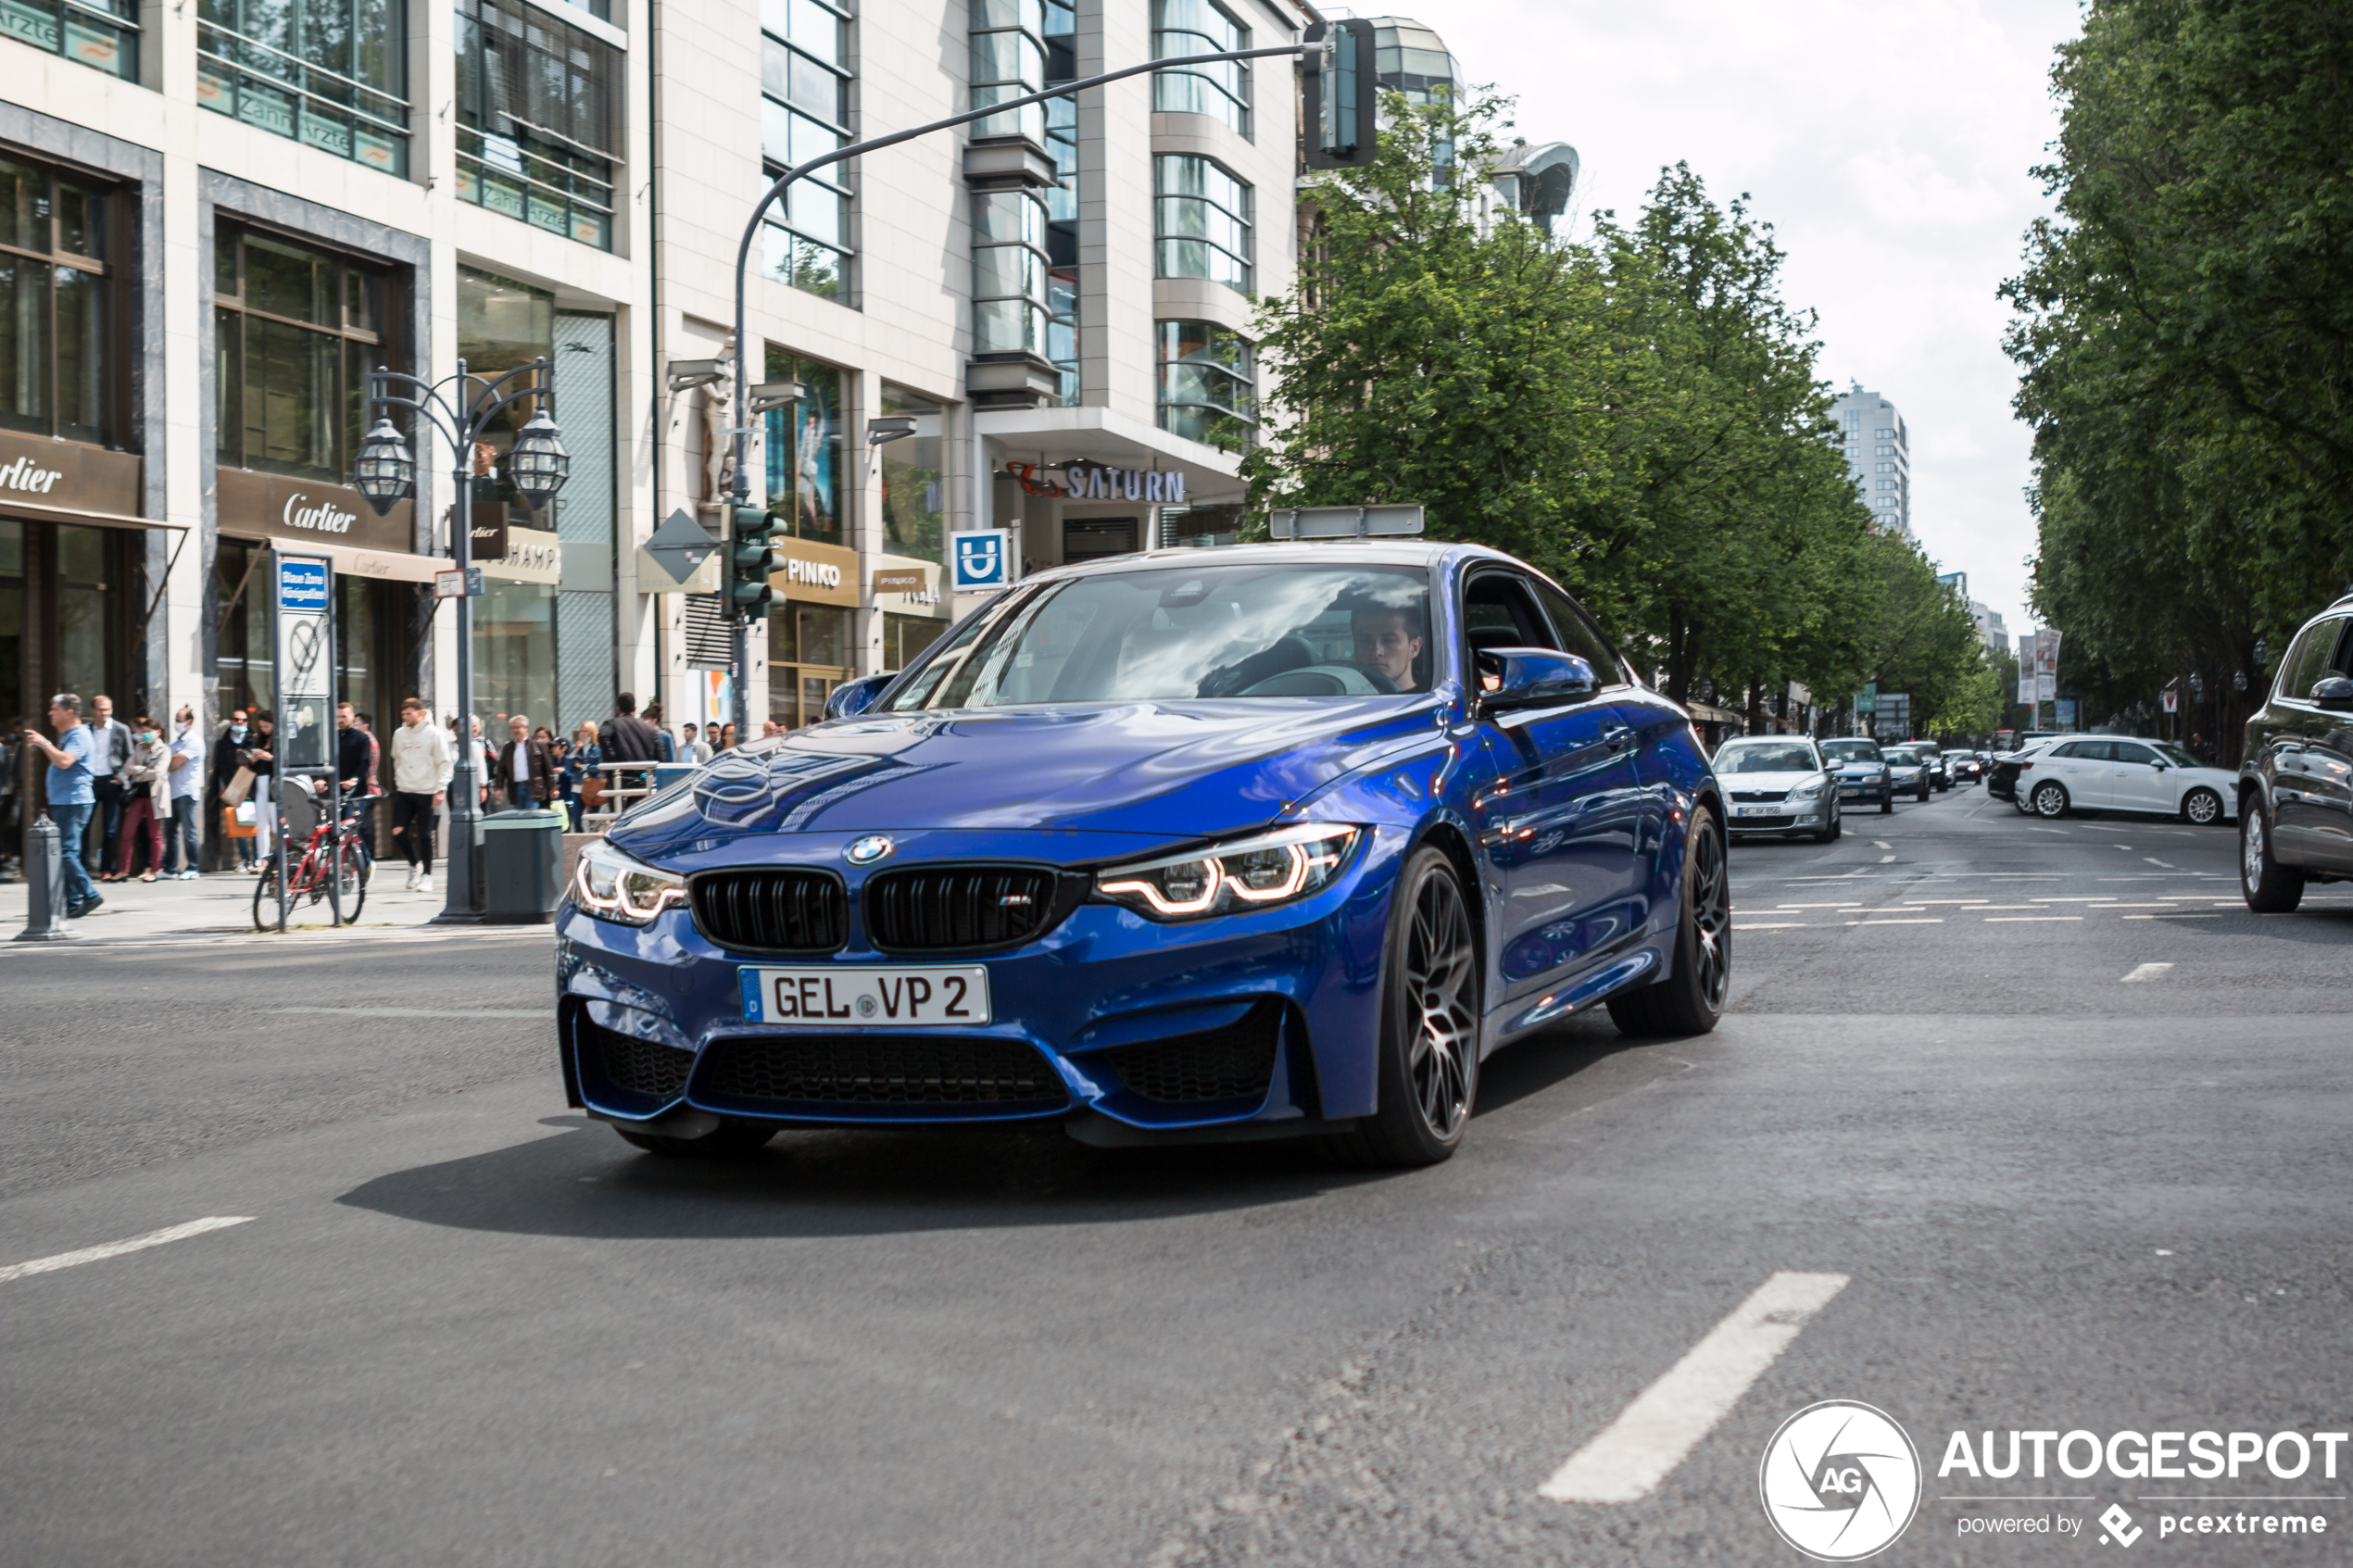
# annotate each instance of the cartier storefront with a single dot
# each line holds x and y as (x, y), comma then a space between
(72, 550)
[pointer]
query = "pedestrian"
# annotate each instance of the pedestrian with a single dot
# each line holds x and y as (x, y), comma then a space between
(359, 765)
(769, 728)
(727, 737)
(421, 764)
(236, 740)
(525, 769)
(691, 749)
(628, 738)
(184, 772)
(145, 774)
(262, 756)
(70, 797)
(582, 766)
(113, 738)
(665, 746)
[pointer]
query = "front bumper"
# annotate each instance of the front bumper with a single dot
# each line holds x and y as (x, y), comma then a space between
(1243, 1021)
(1809, 816)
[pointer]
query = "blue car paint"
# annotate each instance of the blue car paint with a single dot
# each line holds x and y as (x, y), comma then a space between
(1088, 784)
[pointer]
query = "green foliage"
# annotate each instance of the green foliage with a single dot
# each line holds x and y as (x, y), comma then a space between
(2183, 332)
(1638, 416)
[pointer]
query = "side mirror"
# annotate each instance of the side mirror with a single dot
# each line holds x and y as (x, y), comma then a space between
(1530, 677)
(2334, 693)
(853, 697)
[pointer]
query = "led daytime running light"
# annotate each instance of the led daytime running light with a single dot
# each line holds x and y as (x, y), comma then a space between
(615, 887)
(1309, 855)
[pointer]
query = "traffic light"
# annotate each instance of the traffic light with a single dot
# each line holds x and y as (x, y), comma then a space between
(1340, 95)
(751, 561)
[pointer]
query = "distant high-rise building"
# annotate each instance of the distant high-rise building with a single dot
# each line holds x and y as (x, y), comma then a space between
(1990, 626)
(1879, 453)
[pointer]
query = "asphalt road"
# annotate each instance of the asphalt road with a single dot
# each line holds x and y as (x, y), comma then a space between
(458, 1325)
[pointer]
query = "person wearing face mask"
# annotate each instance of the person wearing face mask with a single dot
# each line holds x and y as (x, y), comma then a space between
(185, 772)
(229, 754)
(147, 784)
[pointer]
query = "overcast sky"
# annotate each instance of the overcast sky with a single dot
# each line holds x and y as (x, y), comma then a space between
(1888, 144)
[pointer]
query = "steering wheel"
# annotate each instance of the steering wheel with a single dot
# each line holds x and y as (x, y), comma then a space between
(1330, 679)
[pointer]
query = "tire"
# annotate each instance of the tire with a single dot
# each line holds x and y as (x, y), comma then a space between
(1887, 802)
(729, 1138)
(2048, 800)
(266, 901)
(1838, 826)
(1429, 1042)
(1925, 787)
(1690, 1000)
(2270, 887)
(2202, 808)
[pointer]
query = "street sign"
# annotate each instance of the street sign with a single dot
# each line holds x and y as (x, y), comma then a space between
(449, 585)
(983, 559)
(679, 557)
(302, 583)
(2172, 701)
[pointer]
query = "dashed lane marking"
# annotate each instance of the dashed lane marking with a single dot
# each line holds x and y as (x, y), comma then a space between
(117, 1248)
(426, 1013)
(1887, 859)
(2145, 972)
(1932, 919)
(1881, 844)
(2021, 919)
(1630, 1456)
(2154, 861)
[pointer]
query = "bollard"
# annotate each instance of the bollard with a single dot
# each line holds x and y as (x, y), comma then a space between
(43, 869)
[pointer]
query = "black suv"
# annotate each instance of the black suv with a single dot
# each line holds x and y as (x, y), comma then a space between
(2296, 787)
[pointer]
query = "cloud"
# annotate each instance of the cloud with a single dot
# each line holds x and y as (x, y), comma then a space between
(1890, 148)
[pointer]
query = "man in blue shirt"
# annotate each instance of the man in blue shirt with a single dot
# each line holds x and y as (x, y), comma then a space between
(70, 796)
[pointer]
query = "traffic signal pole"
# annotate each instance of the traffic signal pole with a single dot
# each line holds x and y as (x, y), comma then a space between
(1347, 52)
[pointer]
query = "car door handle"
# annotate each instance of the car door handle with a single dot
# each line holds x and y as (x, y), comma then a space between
(1617, 737)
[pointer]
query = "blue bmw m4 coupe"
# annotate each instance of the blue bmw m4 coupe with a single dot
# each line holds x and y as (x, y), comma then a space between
(1258, 842)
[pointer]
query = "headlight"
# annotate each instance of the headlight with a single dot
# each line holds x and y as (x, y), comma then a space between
(617, 886)
(1806, 791)
(1248, 873)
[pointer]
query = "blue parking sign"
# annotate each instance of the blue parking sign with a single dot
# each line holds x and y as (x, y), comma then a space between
(983, 558)
(302, 585)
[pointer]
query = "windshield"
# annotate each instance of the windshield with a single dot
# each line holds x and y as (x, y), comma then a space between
(1851, 750)
(1899, 757)
(1773, 757)
(1159, 634)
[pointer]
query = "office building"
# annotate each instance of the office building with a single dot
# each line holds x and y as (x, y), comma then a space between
(1878, 449)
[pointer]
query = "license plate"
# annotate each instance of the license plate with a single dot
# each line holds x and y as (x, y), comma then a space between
(900, 998)
(1757, 811)
(1850, 789)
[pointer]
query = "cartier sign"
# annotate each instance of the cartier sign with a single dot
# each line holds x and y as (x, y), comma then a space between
(53, 478)
(274, 507)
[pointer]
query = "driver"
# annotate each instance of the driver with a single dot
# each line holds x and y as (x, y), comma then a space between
(1388, 639)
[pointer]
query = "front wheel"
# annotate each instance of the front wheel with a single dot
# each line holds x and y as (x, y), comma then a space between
(1837, 826)
(267, 906)
(1887, 801)
(1690, 1000)
(2201, 808)
(2049, 800)
(2270, 888)
(1428, 1044)
(351, 882)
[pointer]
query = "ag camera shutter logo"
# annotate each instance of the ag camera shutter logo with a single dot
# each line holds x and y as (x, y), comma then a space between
(1840, 1481)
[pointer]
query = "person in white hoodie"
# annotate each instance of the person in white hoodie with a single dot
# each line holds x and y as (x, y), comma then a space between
(421, 763)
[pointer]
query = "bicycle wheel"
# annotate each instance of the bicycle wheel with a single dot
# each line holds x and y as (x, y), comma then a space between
(351, 880)
(267, 907)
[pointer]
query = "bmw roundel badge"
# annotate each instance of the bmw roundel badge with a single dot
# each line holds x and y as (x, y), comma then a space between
(867, 850)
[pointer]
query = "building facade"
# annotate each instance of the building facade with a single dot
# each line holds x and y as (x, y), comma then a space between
(1879, 454)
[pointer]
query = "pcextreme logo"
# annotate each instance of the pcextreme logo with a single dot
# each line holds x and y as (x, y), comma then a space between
(1840, 1481)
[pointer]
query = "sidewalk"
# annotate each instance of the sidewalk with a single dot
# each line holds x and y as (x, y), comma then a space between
(219, 906)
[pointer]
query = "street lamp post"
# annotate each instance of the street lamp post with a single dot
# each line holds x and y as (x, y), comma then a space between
(461, 408)
(740, 432)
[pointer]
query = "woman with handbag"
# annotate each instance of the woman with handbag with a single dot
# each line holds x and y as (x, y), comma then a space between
(581, 768)
(148, 787)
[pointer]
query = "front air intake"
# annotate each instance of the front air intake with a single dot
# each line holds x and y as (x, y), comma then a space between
(849, 1074)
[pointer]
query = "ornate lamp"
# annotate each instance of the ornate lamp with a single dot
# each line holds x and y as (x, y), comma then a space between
(538, 464)
(383, 471)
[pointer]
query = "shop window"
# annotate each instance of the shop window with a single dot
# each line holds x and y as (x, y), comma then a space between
(539, 118)
(804, 113)
(296, 332)
(103, 34)
(804, 450)
(914, 479)
(241, 616)
(808, 657)
(330, 74)
(55, 347)
(906, 636)
(1220, 90)
(1010, 298)
(1205, 384)
(1202, 222)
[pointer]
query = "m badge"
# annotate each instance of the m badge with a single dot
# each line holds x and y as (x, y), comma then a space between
(983, 559)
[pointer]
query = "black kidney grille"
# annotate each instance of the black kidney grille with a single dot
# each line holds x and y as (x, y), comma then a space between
(851, 1070)
(1234, 1062)
(635, 1066)
(956, 907)
(776, 910)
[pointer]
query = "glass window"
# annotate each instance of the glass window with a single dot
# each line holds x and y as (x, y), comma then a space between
(1169, 634)
(1221, 89)
(2126, 751)
(330, 74)
(1009, 61)
(1202, 222)
(1062, 201)
(2307, 661)
(1851, 750)
(1010, 293)
(804, 113)
(906, 636)
(914, 481)
(539, 120)
(1207, 390)
(297, 330)
(804, 447)
(100, 33)
(54, 343)
(503, 325)
(1579, 635)
(1766, 756)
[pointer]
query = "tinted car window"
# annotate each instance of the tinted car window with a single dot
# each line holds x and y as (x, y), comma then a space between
(2309, 660)
(1851, 750)
(1579, 635)
(1771, 756)
(2083, 750)
(1168, 633)
(2129, 751)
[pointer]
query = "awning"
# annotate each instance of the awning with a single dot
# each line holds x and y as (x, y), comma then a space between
(389, 566)
(1707, 715)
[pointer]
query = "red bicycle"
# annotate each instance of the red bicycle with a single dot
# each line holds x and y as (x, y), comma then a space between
(309, 879)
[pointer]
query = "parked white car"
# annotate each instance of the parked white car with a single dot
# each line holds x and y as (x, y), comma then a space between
(2111, 774)
(1778, 785)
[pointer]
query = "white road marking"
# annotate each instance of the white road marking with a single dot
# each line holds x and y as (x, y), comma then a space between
(1650, 1436)
(2126, 847)
(2018, 919)
(117, 1248)
(2179, 916)
(1771, 926)
(1881, 844)
(2154, 861)
(2145, 972)
(1932, 919)
(424, 1012)
(1887, 859)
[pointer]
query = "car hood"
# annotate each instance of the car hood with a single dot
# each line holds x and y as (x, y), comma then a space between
(1179, 770)
(1860, 766)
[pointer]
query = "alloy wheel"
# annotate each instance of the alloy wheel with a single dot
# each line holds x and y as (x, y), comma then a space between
(2050, 800)
(1440, 991)
(2251, 849)
(2203, 808)
(1711, 918)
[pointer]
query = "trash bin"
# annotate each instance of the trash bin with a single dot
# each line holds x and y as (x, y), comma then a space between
(522, 867)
